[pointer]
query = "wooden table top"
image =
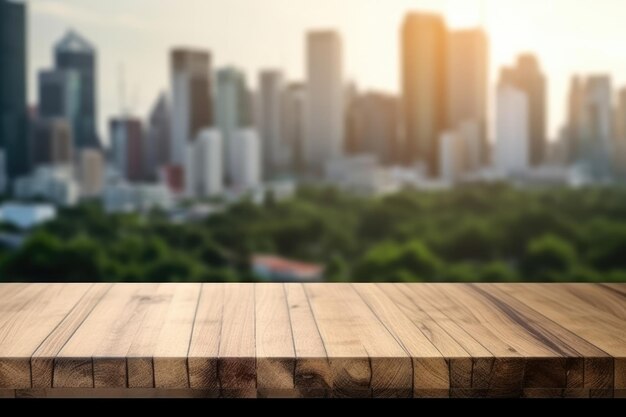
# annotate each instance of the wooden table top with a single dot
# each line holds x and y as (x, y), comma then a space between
(422, 340)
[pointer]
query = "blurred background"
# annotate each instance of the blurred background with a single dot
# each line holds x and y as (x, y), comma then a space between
(312, 140)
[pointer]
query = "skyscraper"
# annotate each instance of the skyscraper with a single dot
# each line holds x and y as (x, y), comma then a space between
(192, 109)
(620, 134)
(91, 172)
(424, 87)
(246, 167)
(575, 110)
(59, 95)
(325, 103)
(13, 125)
(468, 65)
(373, 125)
(512, 149)
(75, 53)
(527, 77)
(157, 142)
(270, 122)
(232, 110)
(596, 150)
(204, 174)
(294, 122)
(126, 147)
(52, 143)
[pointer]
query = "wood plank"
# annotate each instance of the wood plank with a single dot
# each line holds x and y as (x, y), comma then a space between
(430, 369)
(141, 351)
(363, 353)
(172, 347)
(42, 361)
(73, 365)
(469, 362)
(599, 328)
(46, 308)
(312, 373)
(109, 357)
(205, 341)
(276, 357)
(237, 351)
(598, 366)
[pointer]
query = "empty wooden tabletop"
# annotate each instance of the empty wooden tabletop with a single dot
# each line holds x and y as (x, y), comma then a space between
(313, 340)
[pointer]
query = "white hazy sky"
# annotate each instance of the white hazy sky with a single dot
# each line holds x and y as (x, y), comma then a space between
(568, 36)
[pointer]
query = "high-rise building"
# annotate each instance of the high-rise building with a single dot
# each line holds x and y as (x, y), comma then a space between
(620, 134)
(74, 53)
(52, 143)
(270, 122)
(192, 109)
(91, 172)
(468, 63)
(127, 148)
(246, 166)
(233, 110)
(452, 154)
(596, 150)
(527, 77)
(424, 87)
(575, 110)
(13, 119)
(204, 173)
(294, 122)
(59, 95)
(3, 172)
(325, 101)
(512, 149)
(373, 126)
(157, 139)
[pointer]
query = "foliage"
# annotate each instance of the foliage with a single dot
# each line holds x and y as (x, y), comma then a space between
(485, 233)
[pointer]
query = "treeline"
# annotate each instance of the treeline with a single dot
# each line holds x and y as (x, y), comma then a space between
(479, 233)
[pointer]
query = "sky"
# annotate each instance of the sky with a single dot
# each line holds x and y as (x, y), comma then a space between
(133, 39)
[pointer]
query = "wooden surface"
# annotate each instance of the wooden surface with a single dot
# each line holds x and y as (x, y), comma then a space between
(312, 340)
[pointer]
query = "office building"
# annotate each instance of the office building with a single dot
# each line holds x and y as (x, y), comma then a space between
(575, 111)
(52, 143)
(204, 173)
(122, 197)
(294, 122)
(59, 96)
(13, 120)
(452, 154)
(325, 100)
(233, 110)
(73, 53)
(468, 73)
(54, 184)
(373, 126)
(157, 139)
(620, 134)
(512, 149)
(527, 77)
(192, 108)
(424, 87)
(275, 151)
(127, 148)
(246, 163)
(3, 172)
(91, 172)
(596, 150)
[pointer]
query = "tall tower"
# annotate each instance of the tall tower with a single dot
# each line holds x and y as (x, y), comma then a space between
(192, 109)
(512, 150)
(13, 136)
(424, 87)
(325, 102)
(270, 122)
(73, 53)
(527, 77)
(468, 63)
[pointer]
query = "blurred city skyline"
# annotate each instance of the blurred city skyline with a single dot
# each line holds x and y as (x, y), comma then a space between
(253, 36)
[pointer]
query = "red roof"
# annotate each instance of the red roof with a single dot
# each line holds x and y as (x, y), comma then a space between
(282, 266)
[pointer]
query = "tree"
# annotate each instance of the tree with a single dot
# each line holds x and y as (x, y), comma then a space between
(548, 258)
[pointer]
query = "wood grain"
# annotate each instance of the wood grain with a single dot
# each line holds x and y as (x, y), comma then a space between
(313, 340)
